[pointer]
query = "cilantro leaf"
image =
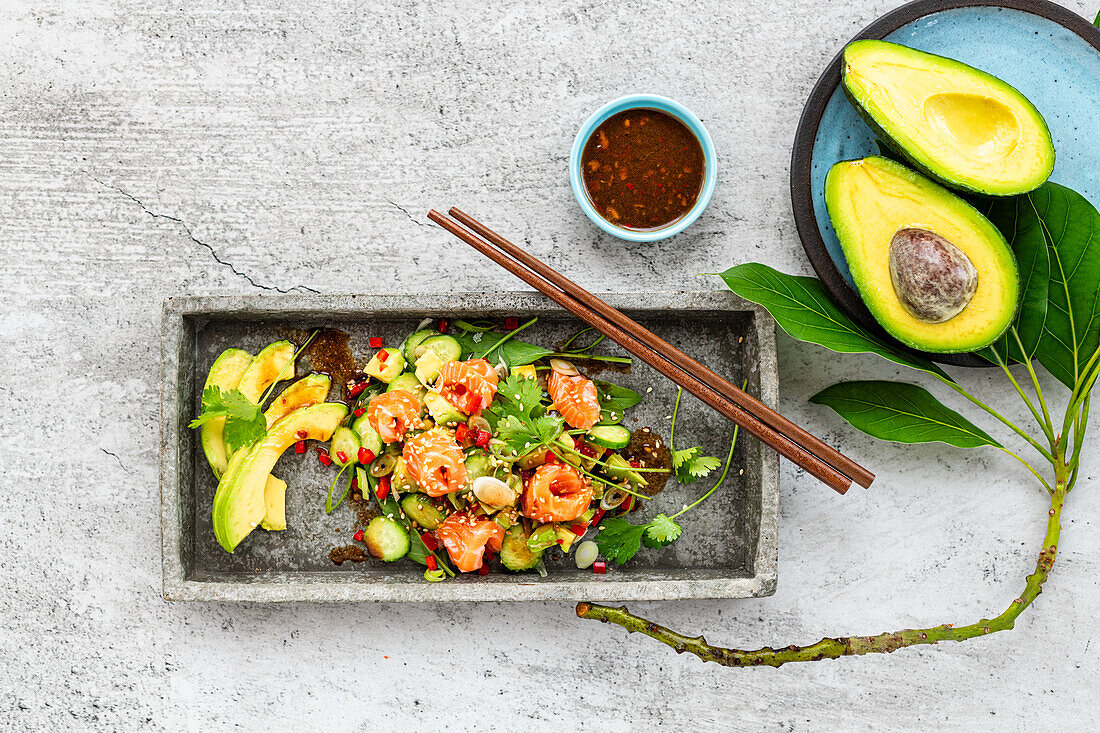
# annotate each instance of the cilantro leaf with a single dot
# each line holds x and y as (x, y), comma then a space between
(619, 540)
(244, 420)
(662, 530)
(690, 466)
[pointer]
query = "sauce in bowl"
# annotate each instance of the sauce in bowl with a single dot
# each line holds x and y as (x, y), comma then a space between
(643, 169)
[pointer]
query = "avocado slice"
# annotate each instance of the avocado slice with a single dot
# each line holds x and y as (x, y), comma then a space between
(442, 411)
(239, 502)
(274, 504)
(308, 390)
(225, 374)
(959, 125)
(271, 363)
(910, 246)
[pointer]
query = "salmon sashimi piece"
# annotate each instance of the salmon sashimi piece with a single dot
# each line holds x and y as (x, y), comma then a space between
(435, 461)
(556, 493)
(391, 414)
(468, 385)
(575, 398)
(466, 538)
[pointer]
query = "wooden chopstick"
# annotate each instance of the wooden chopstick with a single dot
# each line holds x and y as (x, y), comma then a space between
(781, 443)
(767, 415)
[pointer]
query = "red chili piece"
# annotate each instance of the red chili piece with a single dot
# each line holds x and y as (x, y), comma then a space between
(443, 325)
(586, 450)
(303, 434)
(375, 342)
(579, 529)
(596, 518)
(599, 567)
(358, 536)
(429, 541)
(460, 432)
(482, 439)
(365, 455)
(473, 405)
(360, 411)
(341, 456)
(511, 323)
(383, 488)
(431, 563)
(322, 456)
(300, 447)
(635, 464)
(357, 389)
(382, 356)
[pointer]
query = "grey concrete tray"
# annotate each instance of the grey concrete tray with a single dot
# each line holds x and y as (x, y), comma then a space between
(728, 549)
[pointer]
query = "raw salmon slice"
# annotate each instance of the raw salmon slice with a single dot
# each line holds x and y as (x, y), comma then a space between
(575, 398)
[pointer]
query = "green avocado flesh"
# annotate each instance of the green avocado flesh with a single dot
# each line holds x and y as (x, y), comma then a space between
(959, 125)
(239, 504)
(935, 273)
(225, 374)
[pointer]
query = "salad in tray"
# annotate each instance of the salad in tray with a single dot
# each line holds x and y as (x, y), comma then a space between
(472, 446)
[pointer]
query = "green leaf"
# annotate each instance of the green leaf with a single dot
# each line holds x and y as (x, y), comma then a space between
(903, 413)
(614, 397)
(1071, 226)
(1017, 220)
(619, 540)
(662, 530)
(1097, 21)
(690, 466)
(802, 307)
(513, 351)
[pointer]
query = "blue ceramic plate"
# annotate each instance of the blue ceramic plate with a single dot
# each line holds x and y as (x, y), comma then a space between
(1047, 52)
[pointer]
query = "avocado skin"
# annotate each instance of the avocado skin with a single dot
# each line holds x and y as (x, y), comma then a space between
(904, 156)
(995, 237)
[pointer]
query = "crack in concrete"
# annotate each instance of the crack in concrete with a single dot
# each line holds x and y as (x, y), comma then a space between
(405, 211)
(193, 238)
(112, 455)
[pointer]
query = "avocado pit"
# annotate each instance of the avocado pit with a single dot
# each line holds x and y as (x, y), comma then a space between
(933, 278)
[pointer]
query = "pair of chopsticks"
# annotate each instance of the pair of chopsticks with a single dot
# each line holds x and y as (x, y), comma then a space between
(777, 432)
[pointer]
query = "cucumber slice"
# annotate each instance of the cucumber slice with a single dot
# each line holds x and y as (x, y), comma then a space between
(346, 441)
(386, 371)
(446, 348)
(515, 553)
(386, 539)
(407, 382)
(421, 510)
(368, 436)
(478, 464)
(609, 436)
(413, 340)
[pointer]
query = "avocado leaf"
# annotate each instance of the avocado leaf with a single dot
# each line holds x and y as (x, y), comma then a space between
(900, 412)
(1071, 227)
(803, 308)
(1018, 222)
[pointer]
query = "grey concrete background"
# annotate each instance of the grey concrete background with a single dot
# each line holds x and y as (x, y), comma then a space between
(232, 147)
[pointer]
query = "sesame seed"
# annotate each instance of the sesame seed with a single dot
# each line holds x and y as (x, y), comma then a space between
(648, 390)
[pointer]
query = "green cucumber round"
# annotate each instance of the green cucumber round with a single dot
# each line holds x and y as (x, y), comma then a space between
(386, 539)
(609, 436)
(446, 348)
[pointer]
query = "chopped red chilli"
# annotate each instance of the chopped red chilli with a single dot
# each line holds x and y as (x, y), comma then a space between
(322, 456)
(358, 536)
(482, 438)
(511, 323)
(341, 456)
(359, 411)
(443, 325)
(300, 447)
(383, 356)
(303, 434)
(365, 456)
(429, 541)
(599, 567)
(383, 488)
(431, 563)
(375, 342)
(357, 389)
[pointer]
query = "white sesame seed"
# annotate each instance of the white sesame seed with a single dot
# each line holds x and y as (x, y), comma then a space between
(648, 390)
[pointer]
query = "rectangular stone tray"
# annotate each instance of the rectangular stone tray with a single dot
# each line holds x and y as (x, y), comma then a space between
(728, 549)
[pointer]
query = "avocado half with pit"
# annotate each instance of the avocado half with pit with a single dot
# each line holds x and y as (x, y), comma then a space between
(239, 504)
(934, 272)
(961, 126)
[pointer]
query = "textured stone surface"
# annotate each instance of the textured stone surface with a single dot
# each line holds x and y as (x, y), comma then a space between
(240, 147)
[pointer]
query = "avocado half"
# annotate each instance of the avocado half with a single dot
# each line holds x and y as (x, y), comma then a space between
(959, 125)
(873, 201)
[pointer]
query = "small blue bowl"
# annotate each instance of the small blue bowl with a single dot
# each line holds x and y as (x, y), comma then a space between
(661, 104)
